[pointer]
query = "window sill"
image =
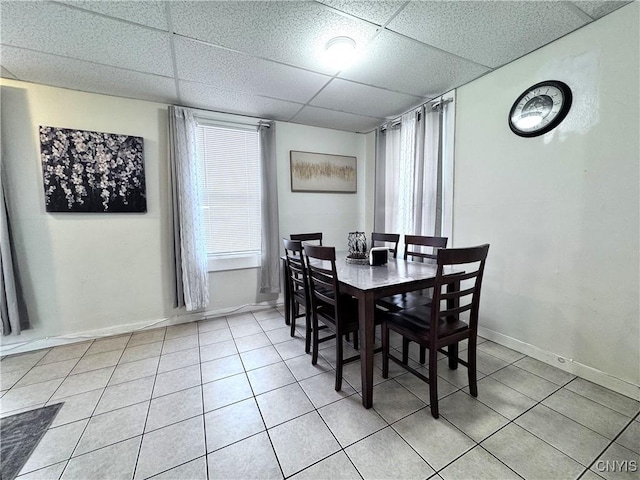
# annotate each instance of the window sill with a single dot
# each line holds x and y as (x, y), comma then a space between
(234, 262)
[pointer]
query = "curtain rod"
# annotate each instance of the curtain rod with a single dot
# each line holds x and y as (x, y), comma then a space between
(434, 104)
(439, 103)
(241, 119)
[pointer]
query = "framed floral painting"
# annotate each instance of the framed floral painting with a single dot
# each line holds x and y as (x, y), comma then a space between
(87, 171)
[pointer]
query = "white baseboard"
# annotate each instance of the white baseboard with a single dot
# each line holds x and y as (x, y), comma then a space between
(49, 342)
(567, 364)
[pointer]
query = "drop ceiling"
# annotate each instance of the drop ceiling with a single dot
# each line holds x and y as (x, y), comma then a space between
(264, 59)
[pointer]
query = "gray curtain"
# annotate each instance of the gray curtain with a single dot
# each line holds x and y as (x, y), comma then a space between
(419, 185)
(409, 174)
(378, 208)
(270, 272)
(12, 309)
(432, 199)
(192, 276)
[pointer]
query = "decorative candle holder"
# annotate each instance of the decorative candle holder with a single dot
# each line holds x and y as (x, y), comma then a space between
(358, 253)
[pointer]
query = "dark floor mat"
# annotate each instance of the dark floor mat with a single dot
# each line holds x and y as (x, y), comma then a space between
(20, 435)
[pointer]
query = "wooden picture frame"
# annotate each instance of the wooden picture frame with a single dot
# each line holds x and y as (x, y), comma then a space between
(323, 173)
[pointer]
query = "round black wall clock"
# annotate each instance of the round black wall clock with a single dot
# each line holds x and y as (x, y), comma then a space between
(540, 108)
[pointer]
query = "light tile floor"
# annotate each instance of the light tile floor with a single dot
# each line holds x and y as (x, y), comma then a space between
(236, 397)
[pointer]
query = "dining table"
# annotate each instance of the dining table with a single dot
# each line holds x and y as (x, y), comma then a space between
(368, 283)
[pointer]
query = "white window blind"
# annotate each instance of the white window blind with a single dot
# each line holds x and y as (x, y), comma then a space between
(230, 166)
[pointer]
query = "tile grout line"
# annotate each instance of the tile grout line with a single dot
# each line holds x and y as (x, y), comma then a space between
(67, 460)
(204, 420)
(532, 433)
(155, 378)
(611, 442)
(316, 409)
(479, 444)
(255, 401)
(84, 430)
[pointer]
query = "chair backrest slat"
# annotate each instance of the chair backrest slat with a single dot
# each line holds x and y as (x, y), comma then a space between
(458, 277)
(387, 238)
(412, 244)
(457, 294)
(455, 311)
(457, 256)
(307, 237)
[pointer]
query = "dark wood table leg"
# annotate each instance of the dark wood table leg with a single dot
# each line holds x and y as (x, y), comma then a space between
(366, 312)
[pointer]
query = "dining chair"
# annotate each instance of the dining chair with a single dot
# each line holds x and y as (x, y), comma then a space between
(413, 250)
(385, 238)
(338, 312)
(296, 272)
(413, 246)
(302, 237)
(435, 327)
(307, 237)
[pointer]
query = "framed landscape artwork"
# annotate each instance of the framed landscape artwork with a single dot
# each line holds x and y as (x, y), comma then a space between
(86, 171)
(321, 172)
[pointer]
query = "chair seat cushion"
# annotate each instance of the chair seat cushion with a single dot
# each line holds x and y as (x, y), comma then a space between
(418, 321)
(348, 312)
(300, 297)
(404, 301)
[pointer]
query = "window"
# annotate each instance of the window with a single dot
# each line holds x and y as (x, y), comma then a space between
(414, 171)
(231, 202)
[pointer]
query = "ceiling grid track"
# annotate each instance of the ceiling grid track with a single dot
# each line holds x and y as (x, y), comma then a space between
(264, 59)
(174, 62)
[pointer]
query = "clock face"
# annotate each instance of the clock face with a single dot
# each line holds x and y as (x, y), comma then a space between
(540, 108)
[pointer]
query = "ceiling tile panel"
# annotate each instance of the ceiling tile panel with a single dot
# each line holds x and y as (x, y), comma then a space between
(291, 32)
(491, 33)
(205, 96)
(4, 73)
(235, 71)
(350, 97)
(378, 12)
(264, 58)
(44, 68)
(151, 14)
(321, 117)
(411, 67)
(58, 29)
(598, 8)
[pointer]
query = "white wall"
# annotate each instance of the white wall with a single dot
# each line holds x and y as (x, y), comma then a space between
(334, 214)
(561, 210)
(84, 272)
(109, 273)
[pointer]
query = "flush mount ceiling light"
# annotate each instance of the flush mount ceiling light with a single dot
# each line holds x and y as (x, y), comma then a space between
(340, 52)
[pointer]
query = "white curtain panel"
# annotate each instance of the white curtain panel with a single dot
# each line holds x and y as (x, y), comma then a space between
(400, 171)
(432, 178)
(419, 184)
(414, 172)
(447, 126)
(407, 168)
(192, 276)
(270, 272)
(379, 200)
(391, 177)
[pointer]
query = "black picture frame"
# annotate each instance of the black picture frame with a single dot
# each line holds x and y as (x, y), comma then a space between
(92, 172)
